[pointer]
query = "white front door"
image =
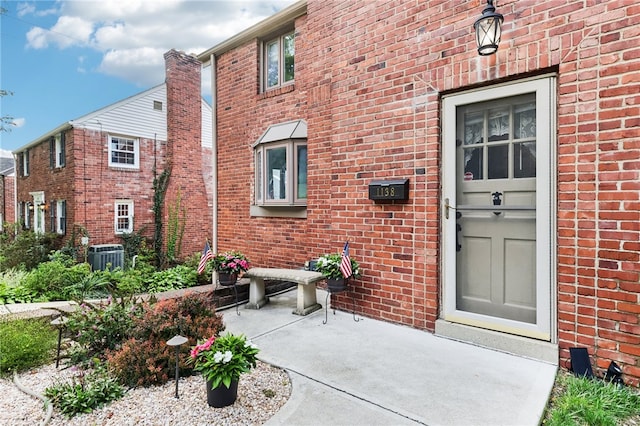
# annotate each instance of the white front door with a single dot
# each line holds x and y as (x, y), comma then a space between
(38, 212)
(497, 146)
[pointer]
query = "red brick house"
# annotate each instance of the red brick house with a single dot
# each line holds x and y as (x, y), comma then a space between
(93, 176)
(519, 225)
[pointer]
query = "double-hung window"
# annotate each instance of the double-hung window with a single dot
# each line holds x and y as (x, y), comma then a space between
(278, 64)
(61, 213)
(124, 152)
(281, 165)
(57, 151)
(23, 159)
(28, 209)
(123, 216)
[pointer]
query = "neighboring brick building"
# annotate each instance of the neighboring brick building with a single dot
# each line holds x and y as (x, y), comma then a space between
(7, 188)
(521, 226)
(93, 176)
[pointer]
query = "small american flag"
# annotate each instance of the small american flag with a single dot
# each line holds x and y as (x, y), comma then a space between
(207, 255)
(345, 262)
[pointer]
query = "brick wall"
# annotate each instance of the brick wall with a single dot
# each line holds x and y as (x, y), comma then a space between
(57, 183)
(96, 186)
(89, 186)
(7, 197)
(369, 76)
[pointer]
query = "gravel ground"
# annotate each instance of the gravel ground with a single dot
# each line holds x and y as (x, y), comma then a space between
(155, 405)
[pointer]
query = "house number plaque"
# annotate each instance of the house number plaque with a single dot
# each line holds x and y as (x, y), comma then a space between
(382, 190)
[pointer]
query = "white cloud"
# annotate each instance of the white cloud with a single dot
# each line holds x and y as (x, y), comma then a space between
(144, 65)
(19, 122)
(132, 35)
(24, 9)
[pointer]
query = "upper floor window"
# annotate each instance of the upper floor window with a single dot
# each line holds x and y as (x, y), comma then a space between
(57, 151)
(124, 152)
(281, 165)
(278, 66)
(123, 216)
(23, 159)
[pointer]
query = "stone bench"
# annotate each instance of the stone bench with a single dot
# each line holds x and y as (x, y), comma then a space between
(306, 280)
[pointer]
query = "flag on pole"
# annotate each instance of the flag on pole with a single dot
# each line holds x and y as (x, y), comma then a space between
(207, 255)
(345, 262)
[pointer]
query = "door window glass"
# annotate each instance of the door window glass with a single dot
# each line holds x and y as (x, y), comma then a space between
(500, 140)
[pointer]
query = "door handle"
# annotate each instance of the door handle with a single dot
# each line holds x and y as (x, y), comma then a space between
(447, 206)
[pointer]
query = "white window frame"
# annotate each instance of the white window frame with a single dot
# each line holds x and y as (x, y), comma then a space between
(116, 214)
(136, 152)
(25, 163)
(279, 41)
(59, 159)
(291, 178)
(61, 217)
(28, 209)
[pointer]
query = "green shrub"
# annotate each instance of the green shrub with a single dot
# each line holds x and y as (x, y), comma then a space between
(11, 288)
(84, 393)
(26, 249)
(98, 328)
(178, 277)
(145, 359)
(55, 279)
(122, 283)
(26, 343)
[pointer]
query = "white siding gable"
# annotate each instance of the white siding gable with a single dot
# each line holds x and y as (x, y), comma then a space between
(134, 116)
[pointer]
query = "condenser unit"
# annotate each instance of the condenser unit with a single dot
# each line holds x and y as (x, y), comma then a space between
(101, 255)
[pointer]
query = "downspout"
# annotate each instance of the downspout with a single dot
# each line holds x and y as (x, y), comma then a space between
(214, 152)
(16, 209)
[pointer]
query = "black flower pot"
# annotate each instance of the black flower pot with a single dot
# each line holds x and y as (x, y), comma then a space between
(227, 278)
(222, 396)
(336, 285)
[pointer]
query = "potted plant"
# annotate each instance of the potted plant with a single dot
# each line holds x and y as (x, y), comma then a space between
(221, 360)
(228, 265)
(329, 266)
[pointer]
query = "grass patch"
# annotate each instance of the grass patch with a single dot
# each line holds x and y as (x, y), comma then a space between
(26, 343)
(578, 401)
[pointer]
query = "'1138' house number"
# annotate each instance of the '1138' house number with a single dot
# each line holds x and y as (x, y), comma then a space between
(389, 189)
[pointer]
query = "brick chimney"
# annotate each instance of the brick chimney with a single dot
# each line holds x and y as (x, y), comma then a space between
(185, 155)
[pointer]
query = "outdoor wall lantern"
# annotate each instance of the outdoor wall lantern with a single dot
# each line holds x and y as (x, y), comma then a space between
(488, 30)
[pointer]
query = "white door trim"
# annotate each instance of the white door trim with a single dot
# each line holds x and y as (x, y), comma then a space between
(544, 88)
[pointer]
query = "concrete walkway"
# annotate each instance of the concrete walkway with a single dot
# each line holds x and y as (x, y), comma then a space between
(371, 372)
(375, 373)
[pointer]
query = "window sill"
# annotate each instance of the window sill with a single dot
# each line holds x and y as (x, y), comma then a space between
(270, 93)
(299, 212)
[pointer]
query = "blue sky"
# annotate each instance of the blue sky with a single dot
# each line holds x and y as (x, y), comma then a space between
(64, 59)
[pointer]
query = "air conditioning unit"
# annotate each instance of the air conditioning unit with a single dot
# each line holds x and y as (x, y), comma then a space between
(101, 255)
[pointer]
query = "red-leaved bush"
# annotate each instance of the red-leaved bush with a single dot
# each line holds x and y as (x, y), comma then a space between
(145, 359)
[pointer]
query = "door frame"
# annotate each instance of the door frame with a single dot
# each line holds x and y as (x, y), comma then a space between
(544, 88)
